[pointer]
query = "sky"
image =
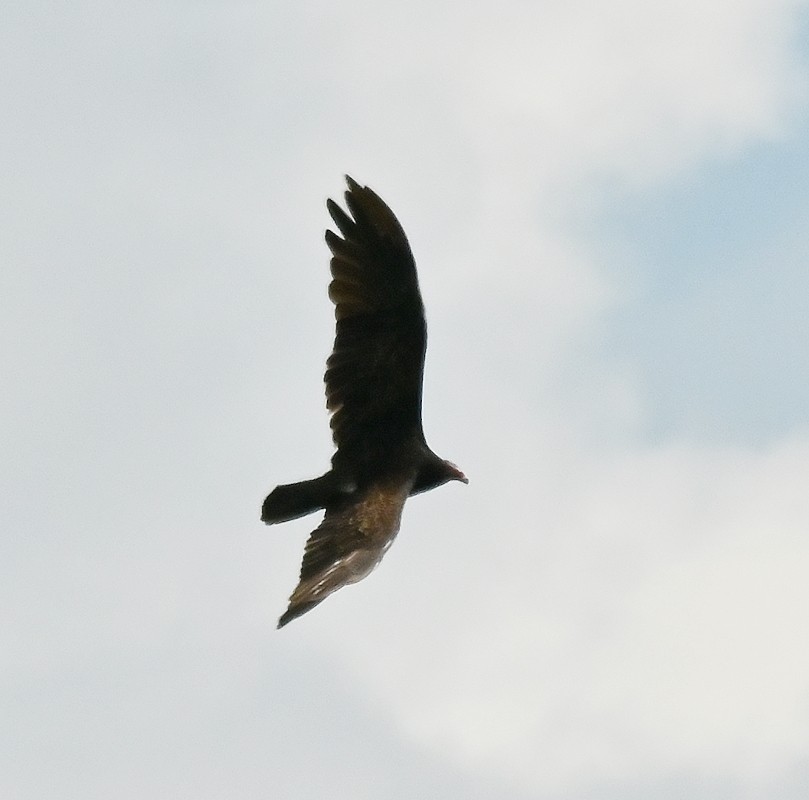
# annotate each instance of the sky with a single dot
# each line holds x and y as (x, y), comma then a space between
(608, 204)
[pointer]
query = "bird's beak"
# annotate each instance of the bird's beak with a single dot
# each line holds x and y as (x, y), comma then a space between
(459, 476)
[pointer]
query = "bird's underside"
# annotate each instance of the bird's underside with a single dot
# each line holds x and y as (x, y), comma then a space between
(373, 391)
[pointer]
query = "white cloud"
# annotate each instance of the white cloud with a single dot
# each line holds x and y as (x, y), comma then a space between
(633, 91)
(651, 625)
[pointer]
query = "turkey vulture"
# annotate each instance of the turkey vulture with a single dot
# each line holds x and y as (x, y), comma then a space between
(373, 391)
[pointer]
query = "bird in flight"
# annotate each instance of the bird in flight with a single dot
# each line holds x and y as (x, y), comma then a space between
(373, 391)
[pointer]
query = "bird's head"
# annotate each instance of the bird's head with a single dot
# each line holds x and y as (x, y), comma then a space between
(435, 472)
(453, 473)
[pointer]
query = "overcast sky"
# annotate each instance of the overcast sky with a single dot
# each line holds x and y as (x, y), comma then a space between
(609, 206)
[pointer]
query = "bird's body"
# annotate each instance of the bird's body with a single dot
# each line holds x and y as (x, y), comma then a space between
(373, 391)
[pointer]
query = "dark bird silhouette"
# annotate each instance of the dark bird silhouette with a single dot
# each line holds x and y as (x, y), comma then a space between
(373, 391)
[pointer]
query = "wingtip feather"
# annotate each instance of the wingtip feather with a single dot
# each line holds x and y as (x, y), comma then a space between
(293, 612)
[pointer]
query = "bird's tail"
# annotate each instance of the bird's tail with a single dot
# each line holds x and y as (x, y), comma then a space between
(293, 500)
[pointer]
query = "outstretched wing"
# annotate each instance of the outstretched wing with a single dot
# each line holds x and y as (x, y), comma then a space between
(374, 374)
(347, 546)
